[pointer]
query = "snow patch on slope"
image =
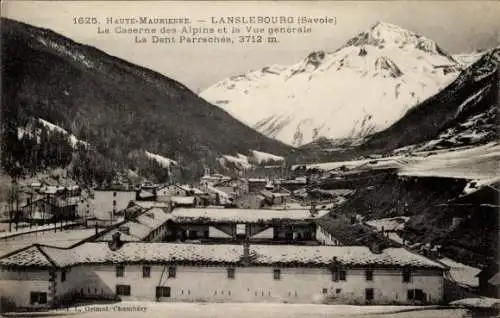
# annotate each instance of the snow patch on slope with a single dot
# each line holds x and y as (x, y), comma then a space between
(66, 50)
(21, 131)
(72, 138)
(263, 157)
(163, 161)
(240, 161)
(479, 162)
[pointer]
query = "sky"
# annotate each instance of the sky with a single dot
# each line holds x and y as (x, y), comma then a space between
(457, 26)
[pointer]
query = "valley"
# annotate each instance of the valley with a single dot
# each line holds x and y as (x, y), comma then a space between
(374, 159)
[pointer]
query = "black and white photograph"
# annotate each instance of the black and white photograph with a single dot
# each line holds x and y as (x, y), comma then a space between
(269, 159)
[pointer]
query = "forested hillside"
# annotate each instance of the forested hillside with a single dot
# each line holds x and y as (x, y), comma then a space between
(114, 106)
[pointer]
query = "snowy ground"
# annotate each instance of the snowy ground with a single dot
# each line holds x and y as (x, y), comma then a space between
(243, 310)
(27, 229)
(473, 163)
(389, 224)
(63, 238)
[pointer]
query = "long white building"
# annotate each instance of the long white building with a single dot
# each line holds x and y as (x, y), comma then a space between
(44, 276)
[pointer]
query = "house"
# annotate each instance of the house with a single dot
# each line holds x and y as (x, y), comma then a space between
(148, 226)
(216, 224)
(165, 192)
(50, 208)
(146, 195)
(107, 202)
(211, 179)
(185, 202)
(44, 276)
(272, 198)
(250, 201)
(256, 185)
(218, 197)
(292, 184)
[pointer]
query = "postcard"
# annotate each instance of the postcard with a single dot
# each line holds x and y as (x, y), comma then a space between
(249, 159)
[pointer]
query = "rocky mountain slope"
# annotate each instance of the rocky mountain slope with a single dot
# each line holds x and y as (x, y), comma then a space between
(463, 113)
(115, 106)
(362, 88)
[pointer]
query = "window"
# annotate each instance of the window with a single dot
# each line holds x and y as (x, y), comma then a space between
(410, 294)
(123, 290)
(406, 275)
(416, 294)
(369, 294)
(38, 298)
(171, 272)
(146, 271)
(338, 291)
(162, 291)
(369, 275)
(230, 273)
(114, 202)
(114, 194)
(277, 274)
(325, 290)
(241, 229)
(63, 275)
(342, 275)
(120, 270)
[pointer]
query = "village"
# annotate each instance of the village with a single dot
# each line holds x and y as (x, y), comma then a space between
(225, 239)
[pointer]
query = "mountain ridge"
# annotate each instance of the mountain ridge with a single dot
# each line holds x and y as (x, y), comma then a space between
(395, 69)
(112, 104)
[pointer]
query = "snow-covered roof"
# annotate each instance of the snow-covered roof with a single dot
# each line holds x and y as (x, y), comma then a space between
(241, 215)
(133, 252)
(346, 255)
(183, 200)
(49, 190)
(389, 224)
(495, 280)
(151, 204)
(28, 256)
(140, 227)
(461, 273)
(153, 218)
(221, 193)
(257, 180)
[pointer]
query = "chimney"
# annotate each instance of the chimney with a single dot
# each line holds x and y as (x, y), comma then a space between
(313, 211)
(116, 242)
(334, 268)
(375, 245)
(246, 251)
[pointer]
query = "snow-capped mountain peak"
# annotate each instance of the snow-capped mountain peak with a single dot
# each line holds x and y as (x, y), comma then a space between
(385, 34)
(361, 88)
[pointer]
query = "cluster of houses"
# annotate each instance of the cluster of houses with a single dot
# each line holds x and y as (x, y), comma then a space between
(222, 241)
(48, 201)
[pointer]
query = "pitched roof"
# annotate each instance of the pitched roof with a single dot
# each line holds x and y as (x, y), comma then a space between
(495, 280)
(99, 252)
(141, 226)
(346, 255)
(29, 256)
(241, 215)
